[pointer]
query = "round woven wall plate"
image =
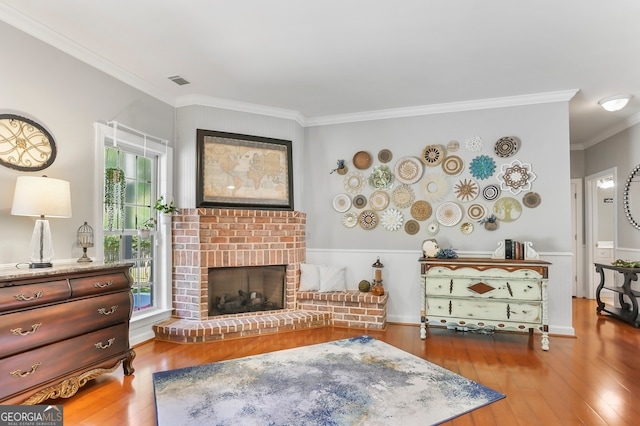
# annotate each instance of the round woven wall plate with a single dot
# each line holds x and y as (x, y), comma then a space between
(409, 170)
(432, 155)
(411, 227)
(506, 147)
(359, 201)
(491, 192)
(531, 199)
(368, 219)
(476, 211)
(421, 210)
(452, 165)
(384, 156)
(379, 200)
(362, 160)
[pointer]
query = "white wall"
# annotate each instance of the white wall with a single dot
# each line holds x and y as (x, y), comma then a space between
(66, 96)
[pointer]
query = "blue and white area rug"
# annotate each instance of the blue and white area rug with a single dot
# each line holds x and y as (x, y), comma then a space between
(359, 381)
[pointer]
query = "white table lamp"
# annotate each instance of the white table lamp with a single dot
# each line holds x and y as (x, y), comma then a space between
(41, 197)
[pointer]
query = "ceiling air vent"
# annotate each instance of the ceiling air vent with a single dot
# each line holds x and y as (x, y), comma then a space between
(178, 80)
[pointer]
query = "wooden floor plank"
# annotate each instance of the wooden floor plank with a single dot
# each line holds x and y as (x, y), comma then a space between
(592, 379)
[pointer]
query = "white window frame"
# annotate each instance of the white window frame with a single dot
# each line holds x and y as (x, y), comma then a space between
(141, 321)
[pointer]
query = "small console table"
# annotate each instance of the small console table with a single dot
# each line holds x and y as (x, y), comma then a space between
(628, 311)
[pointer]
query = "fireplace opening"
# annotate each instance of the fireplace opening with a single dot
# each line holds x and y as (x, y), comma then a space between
(234, 290)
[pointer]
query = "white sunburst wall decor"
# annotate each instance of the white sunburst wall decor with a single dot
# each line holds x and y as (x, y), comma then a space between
(516, 177)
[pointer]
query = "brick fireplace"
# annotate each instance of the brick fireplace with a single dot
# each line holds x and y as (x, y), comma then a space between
(215, 238)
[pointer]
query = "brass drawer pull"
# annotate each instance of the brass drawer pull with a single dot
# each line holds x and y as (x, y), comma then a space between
(105, 285)
(24, 298)
(104, 311)
(99, 345)
(18, 331)
(20, 373)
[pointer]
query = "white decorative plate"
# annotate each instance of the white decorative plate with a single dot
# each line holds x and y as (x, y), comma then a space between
(409, 170)
(354, 182)
(403, 196)
(341, 203)
(466, 190)
(449, 214)
(391, 219)
(350, 219)
(433, 228)
(434, 188)
(516, 177)
(452, 165)
(476, 211)
(507, 209)
(379, 200)
(368, 219)
(474, 143)
(453, 146)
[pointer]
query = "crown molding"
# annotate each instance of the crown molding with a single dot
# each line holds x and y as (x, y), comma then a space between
(510, 101)
(189, 100)
(47, 35)
(628, 122)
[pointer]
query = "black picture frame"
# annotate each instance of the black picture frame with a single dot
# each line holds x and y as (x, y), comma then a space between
(243, 171)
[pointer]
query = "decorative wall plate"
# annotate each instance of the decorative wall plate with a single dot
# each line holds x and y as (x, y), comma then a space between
(474, 143)
(466, 190)
(408, 170)
(449, 214)
(350, 219)
(531, 199)
(403, 196)
(507, 209)
(491, 192)
(516, 177)
(453, 146)
(435, 188)
(341, 203)
(482, 167)
(384, 156)
(421, 210)
(24, 144)
(432, 155)
(391, 219)
(412, 227)
(359, 201)
(476, 211)
(354, 182)
(466, 228)
(452, 165)
(362, 160)
(506, 147)
(368, 219)
(381, 177)
(379, 200)
(433, 227)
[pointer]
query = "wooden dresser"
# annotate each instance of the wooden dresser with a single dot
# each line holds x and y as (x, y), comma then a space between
(61, 327)
(479, 292)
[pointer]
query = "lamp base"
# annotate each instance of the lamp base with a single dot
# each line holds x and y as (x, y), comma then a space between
(40, 265)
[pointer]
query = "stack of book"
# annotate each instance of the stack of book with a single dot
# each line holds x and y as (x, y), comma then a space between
(514, 249)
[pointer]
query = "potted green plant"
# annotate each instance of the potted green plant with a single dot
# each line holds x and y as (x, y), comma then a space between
(490, 222)
(165, 209)
(115, 186)
(111, 248)
(147, 227)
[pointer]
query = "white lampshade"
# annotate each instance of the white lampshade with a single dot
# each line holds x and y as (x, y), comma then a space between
(615, 103)
(41, 196)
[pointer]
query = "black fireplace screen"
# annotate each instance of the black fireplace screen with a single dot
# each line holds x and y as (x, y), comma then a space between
(234, 290)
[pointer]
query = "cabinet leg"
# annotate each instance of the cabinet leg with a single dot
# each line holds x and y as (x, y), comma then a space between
(127, 364)
(545, 341)
(423, 331)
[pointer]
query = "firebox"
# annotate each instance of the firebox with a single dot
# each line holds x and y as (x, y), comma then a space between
(234, 290)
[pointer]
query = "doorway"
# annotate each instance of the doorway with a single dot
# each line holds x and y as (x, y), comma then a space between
(600, 227)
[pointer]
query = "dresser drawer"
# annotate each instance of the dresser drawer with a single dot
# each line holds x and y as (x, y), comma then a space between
(36, 327)
(98, 284)
(24, 296)
(484, 287)
(481, 309)
(29, 369)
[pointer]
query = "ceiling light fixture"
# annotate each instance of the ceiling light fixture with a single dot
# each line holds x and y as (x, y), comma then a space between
(614, 103)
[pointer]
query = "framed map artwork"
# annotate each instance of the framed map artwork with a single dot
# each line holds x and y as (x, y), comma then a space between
(242, 171)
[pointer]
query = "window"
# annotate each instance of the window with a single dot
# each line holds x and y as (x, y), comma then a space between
(135, 173)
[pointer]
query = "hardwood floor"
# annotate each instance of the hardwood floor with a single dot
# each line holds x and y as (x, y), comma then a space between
(593, 379)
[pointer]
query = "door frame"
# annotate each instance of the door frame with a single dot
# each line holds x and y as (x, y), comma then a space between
(591, 228)
(577, 228)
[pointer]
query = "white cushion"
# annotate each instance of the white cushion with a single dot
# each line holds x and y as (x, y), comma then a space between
(309, 277)
(332, 278)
